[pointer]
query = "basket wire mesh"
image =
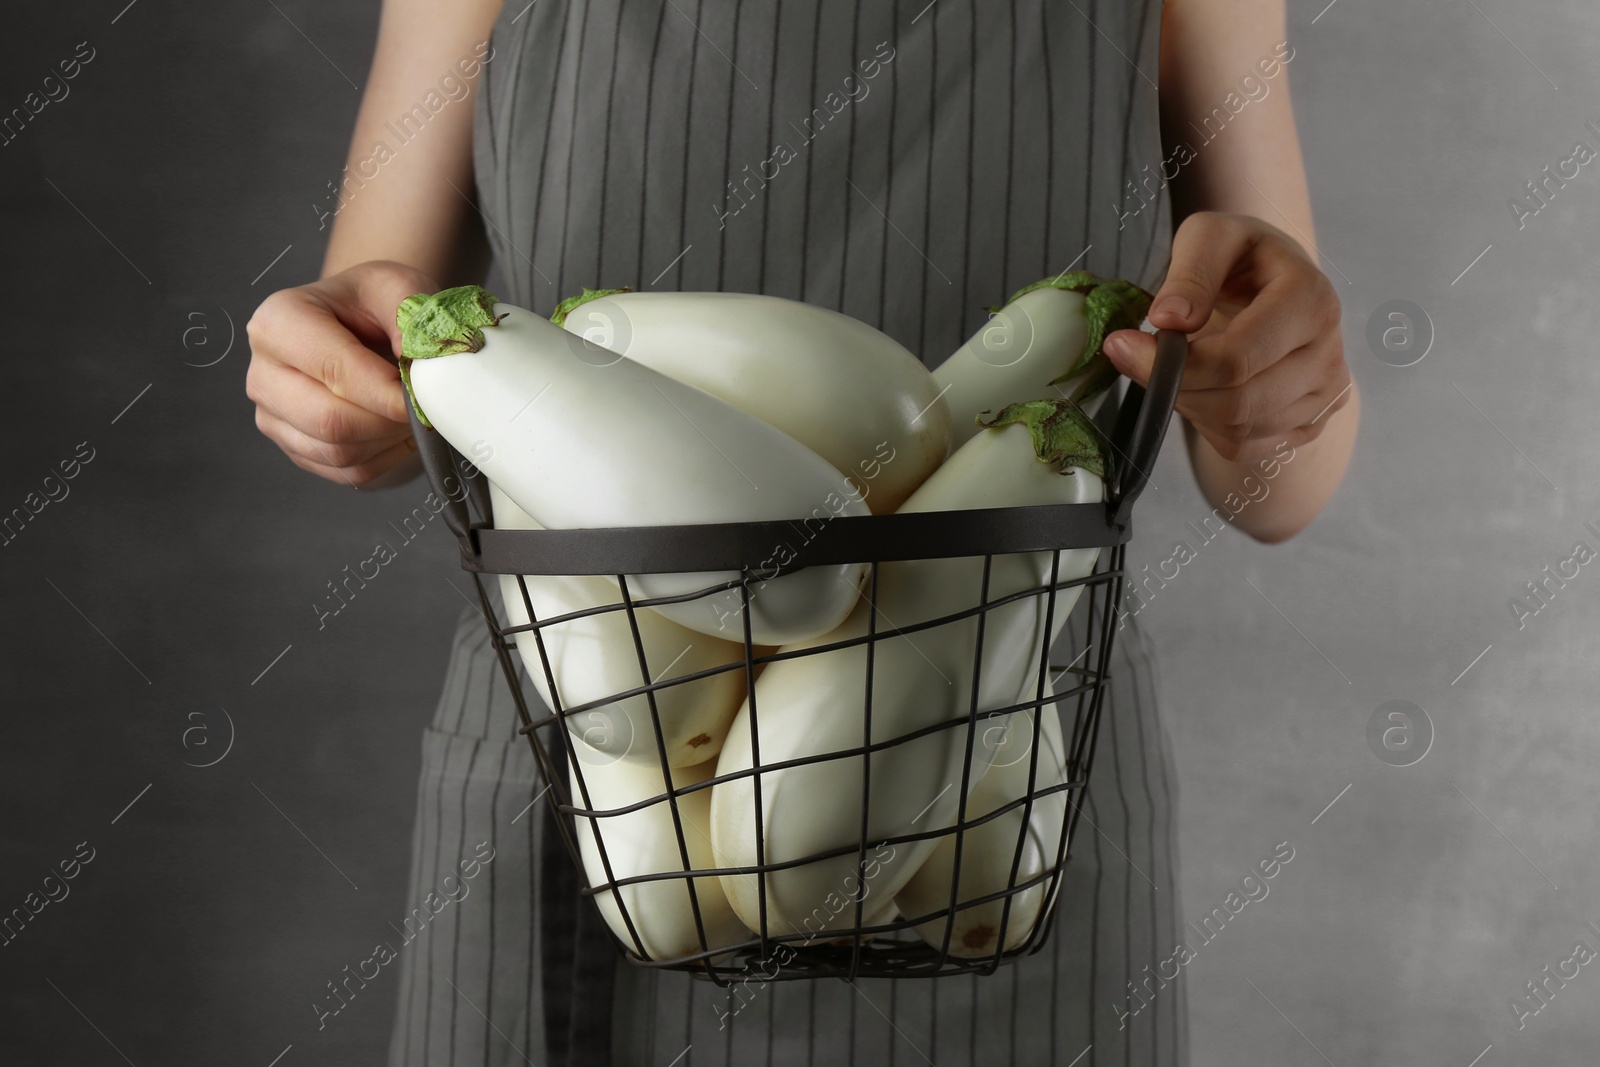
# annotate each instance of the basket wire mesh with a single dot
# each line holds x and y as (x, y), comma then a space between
(888, 948)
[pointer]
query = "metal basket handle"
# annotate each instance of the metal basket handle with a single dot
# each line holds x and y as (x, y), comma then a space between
(1142, 424)
(438, 463)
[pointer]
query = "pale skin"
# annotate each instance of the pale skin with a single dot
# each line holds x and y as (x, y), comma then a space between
(1266, 362)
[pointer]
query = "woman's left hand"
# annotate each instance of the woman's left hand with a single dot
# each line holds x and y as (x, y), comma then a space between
(1266, 359)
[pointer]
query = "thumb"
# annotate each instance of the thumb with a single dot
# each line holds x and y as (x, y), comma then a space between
(391, 288)
(381, 287)
(1132, 352)
(364, 299)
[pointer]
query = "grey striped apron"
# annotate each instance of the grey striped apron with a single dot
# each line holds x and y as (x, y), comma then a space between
(907, 164)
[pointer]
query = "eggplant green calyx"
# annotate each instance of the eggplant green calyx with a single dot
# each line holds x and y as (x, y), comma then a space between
(1109, 304)
(1062, 434)
(572, 303)
(443, 324)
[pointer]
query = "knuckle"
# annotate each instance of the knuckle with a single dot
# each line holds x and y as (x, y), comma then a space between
(331, 424)
(1330, 309)
(1198, 223)
(396, 273)
(1332, 369)
(1283, 242)
(382, 281)
(255, 327)
(1228, 450)
(1341, 373)
(332, 372)
(1234, 371)
(366, 471)
(1194, 277)
(1249, 453)
(1327, 359)
(266, 317)
(1340, 400)
(344, 456)
(1236, 410)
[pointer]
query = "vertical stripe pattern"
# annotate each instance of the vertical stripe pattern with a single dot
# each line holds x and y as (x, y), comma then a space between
(907, 163)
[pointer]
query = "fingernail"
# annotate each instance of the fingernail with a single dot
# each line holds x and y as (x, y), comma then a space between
(1117, 347)
(1177, 305)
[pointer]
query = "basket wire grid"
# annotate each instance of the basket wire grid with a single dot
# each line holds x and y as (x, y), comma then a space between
(886, 949)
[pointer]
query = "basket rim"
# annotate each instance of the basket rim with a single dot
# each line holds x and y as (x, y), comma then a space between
(1135, 441)
(755, 546)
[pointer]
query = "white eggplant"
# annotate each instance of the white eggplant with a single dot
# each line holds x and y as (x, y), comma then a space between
(615, 443)
(645, 841)
(813, 705)
(987, 850)
(594, 657)
(849, 392)
(1045, 341)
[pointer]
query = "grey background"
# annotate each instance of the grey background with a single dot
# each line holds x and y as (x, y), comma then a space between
(196, 141)
(1406, 923)
(187, 556)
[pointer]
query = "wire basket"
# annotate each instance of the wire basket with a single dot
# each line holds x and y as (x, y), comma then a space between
(882, 945)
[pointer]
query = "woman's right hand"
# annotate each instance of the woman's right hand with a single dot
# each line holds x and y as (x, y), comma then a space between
(324, 379)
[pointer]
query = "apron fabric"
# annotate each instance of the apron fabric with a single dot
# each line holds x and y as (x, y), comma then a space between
(724, 145)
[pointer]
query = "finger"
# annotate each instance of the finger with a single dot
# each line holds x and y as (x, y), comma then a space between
(379, 292)
(1133, 353)
(306, 334)
(341, 456)
(1208, 250)
(1205, 249)
(1262, 447)
(314, 458)
(307, 406)
(1308, 409)
(404, 468)
(1296, 307)
(1316, 370)
(389, 467)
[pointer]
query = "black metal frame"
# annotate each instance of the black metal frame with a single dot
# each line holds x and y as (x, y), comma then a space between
(890, 949)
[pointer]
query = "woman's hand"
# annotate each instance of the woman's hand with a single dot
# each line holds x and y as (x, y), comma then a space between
(1266, 359)
(324, 379)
